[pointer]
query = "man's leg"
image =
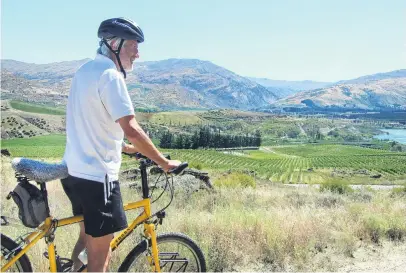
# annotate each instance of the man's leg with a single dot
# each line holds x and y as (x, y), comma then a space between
(98, 252)
(101, 219)
(80, 245)
(70, 186)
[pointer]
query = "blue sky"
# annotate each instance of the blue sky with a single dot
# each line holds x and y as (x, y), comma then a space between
(321, 40)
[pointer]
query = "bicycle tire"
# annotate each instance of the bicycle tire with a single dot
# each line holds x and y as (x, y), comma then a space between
(178, 238)
(23, 264)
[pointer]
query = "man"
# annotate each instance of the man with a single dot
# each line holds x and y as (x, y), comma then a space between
(99, 114)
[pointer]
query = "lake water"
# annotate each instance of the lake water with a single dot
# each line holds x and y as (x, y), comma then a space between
(398, 135)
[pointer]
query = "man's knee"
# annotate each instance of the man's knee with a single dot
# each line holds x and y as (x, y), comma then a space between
(98, 243)
(99, 252)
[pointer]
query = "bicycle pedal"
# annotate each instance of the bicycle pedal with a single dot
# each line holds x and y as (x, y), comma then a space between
(65, 265)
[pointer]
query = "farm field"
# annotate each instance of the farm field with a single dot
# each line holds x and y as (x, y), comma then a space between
(307, 163)
(32, 108)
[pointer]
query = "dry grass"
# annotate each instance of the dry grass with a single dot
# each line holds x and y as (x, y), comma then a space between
(269, 227)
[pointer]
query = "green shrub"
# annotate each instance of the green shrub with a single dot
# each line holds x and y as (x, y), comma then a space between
(234, 180)
(196, 165)
(401, 191)
(336, 186)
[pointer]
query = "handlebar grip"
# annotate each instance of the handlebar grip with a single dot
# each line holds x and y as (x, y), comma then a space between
(130, 155)
(139, 155)
(179, 169)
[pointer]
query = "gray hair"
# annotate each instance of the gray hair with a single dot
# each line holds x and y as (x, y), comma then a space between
(113, 43)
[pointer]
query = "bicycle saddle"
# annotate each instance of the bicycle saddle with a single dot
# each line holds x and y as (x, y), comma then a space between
(39, 171)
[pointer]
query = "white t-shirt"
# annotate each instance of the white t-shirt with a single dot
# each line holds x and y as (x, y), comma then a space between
(97, 99)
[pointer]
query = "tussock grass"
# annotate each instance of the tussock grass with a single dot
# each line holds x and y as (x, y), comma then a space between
(266, 227)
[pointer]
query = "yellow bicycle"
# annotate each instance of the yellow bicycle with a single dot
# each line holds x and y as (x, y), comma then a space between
(165, 252)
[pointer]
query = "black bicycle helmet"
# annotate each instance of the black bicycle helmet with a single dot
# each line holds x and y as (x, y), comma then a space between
(122, 28)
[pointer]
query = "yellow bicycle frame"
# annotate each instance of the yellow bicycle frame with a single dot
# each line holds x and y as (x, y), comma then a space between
(49, 225)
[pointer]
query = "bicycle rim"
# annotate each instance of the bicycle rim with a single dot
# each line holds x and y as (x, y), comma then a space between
(16, 267)
(176, 254)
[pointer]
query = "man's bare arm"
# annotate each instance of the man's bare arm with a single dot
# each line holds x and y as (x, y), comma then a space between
(136, 135)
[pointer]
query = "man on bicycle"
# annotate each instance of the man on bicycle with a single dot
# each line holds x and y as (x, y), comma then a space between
(99, 114)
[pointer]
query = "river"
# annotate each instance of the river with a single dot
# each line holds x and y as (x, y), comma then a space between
(398, 135)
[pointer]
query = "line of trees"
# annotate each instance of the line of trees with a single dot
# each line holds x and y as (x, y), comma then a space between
(206, 137)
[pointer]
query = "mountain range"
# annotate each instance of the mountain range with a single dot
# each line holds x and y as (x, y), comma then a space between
(378, 92)
(196, 84)
(287, 88)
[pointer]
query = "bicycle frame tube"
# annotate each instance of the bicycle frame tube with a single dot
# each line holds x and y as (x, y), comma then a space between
(33, 238)
(52, 257)
(149, 230)
(146, 204)
(23, 251)
(37, 235)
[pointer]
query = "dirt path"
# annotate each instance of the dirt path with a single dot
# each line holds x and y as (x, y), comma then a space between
(302, 130)
(353, 186)
(270, 150)
(386, 258)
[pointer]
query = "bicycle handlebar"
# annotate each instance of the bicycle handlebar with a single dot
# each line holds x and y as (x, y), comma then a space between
(150, 162)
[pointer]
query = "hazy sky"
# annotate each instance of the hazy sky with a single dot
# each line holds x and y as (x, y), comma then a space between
(322, 40)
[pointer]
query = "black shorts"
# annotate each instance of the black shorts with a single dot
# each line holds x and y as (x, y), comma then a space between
(100, 204)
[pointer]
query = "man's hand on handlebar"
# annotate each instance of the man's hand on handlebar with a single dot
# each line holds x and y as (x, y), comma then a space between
(167, 165)
(171, 164)
(129, 148)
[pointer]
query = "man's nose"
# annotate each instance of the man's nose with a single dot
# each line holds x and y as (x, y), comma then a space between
(137, 55)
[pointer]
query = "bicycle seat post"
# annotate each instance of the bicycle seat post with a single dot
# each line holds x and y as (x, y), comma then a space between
(144, 180)
(45, 194)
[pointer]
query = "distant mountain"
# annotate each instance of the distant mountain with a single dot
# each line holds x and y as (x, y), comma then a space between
(19, 88)
(294, 85)
(378, 95)
(168, 84)
(286, 88)
(376, 77)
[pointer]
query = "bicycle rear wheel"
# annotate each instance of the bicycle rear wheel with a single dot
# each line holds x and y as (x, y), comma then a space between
(22, 264)
(177, 253)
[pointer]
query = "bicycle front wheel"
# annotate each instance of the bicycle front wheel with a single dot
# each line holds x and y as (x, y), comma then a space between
(177, 253)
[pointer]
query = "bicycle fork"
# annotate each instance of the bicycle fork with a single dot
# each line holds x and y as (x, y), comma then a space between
(149, 230)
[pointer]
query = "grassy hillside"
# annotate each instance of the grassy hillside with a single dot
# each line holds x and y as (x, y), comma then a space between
(35, 108)
(176, 118)
(26, 120)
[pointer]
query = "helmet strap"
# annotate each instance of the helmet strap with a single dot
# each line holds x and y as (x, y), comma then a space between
(117, 54)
